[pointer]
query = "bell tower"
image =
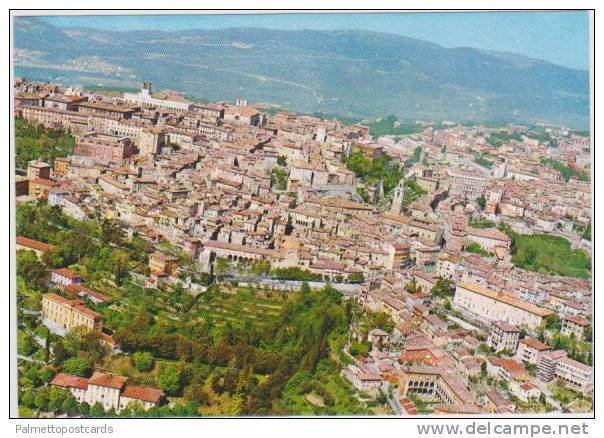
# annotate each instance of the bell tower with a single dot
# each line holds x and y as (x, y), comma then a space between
(399, 198)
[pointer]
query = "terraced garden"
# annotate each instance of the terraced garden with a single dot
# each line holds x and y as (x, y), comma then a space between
(239, 307)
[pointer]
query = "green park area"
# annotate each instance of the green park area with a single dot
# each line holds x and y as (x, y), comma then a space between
(391, 126)
(227, 351)
(566, 171)
(549, 255)
(371, 171)
(33, 142)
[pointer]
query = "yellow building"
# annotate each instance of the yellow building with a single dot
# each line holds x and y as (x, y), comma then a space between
(39, 188)
(69, 313)
(62, 166)
(160, 263)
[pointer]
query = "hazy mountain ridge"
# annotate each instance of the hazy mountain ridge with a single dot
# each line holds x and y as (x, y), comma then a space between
(359, 73)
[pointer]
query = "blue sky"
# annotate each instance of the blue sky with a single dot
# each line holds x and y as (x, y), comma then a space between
(558, 37)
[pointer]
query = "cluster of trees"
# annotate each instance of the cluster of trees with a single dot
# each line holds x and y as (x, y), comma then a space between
(566, 171)
(370, 319)
(294, 273)
(443, 288)
(391, 126)
(360, 348)
(412, 287)
(279, 178)
(475, 248)
(50, 399)
(34, 142)
(79, 351)
(585, 231)
(26, 345)
(417, 154)
(576, 348)
(382, 168)
(481, 223)
(483, 161)
(223, 372)
(496, 139)
(412, 191)
(99, 246)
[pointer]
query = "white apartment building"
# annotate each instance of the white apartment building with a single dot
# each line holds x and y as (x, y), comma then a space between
(530, 350)
(575, 374)
(503, 336)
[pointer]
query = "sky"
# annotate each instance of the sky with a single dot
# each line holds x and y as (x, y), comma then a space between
(559, 37)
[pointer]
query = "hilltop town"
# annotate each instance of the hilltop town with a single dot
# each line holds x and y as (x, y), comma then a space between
(171, 255)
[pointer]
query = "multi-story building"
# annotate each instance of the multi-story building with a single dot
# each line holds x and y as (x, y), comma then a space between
(548, 362)
(503, 336)
(435, 382)
(506, 369)
(38, 169)
(490, 239)
(575, 374)
(574, 325)
(69, 314)
(39, 188)
(62, 166)
(33, 245)
(242, 115)
(530, 350)
(466, 182)
(104, 147)
(63, 102)
(151, 141)
(489, 306)
(21, 186)
(107, 109)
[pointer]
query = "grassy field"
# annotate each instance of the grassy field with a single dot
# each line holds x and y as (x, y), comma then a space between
(549, 255)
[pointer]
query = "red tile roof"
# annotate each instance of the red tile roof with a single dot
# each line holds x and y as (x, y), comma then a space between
(78, 289)
(33, 244)
(534, 343)
(67, 273)
(151, 395)
(108, 380)
(70, 381)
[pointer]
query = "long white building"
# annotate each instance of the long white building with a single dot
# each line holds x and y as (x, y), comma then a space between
(490, 306)
(145, 97)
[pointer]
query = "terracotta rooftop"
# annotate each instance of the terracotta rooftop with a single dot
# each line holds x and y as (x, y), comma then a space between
(108, 380)
(67, 273)
(70, 381)
(33, 244)
(534, 343)
(151, 395)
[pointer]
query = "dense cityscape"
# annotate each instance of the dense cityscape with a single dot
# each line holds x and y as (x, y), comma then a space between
(188, 258)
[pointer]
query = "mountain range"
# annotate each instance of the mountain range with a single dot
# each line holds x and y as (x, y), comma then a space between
(349, 73)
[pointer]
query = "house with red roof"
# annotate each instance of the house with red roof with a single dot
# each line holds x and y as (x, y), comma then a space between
(109, 390)
(65, 277)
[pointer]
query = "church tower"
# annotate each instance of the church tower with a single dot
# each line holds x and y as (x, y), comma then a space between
(399, 198)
